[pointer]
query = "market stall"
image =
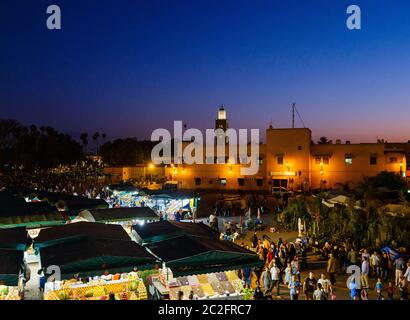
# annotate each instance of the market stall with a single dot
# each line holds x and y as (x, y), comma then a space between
(126, 217)
(125, 195)
(224, 285)
(92, 257)
(125, 286)
(75, 231)
(11, 271)
(187, 255)
(162, 230)
(171, 201)
(15, 239)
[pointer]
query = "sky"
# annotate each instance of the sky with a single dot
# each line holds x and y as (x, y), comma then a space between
(128, 67)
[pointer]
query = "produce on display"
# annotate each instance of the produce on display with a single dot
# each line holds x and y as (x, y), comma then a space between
(130, 288)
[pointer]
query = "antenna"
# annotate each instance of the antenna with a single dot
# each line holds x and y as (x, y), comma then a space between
(293, 116)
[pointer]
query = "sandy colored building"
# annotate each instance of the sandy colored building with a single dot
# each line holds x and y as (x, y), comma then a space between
(289, 159)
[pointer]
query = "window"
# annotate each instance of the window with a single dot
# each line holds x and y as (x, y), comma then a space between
(325, 160)
(373, 160)
(209, 160)
(280, 160)
(393, 159)
(244, 160)
(318, 160)
(241, 182)
(197, 181)
(222, 181)
(348, 159)
(299, 148)
(260, 160)
(259, 182)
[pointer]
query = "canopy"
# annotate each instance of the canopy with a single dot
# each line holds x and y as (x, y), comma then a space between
(79, 230)
(17, 239)
(81, 203)
(189, 255)
(170, 194)
(125, 187)
(91, 257)
(123, 214)
(30, 215)
(392, 253)
(162, 230)
(11, 266)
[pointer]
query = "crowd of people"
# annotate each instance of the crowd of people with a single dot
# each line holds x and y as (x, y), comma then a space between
(284, 263)
(74, 180)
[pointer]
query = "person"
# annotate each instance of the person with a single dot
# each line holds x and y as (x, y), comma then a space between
(332, 268)
(192, 296)
(292, 252)
(384, 266)
(288, 274)
(407, 273)
(42, 279)
(294, 287)
(295, 267)
(390, 291)
(375, 264)
(309, 286)
(403, 288)
(266, 280)
(111, 296)
(304, 264)
(180, 295)
(211, 220)
(257, 294)
(399, 266)
(275, 277)
(364, 276)
(161, 216)
(365, 254)
(255, 240)
(364, 295)
(178, 216)
(379, 289)
(325, 284)
(354, 294)
(247, 276)
(319, 293)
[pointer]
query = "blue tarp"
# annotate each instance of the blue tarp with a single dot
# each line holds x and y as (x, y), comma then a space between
(393, 254)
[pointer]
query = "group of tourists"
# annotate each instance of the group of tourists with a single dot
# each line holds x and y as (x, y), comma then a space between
(284, 262)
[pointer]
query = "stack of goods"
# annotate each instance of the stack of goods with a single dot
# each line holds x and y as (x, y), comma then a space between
(9, 293)
(129, 288)
(211, 285)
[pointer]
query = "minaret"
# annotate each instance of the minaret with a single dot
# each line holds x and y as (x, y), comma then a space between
(221, 122)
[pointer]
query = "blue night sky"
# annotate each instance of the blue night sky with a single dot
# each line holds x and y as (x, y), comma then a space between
(128, 67)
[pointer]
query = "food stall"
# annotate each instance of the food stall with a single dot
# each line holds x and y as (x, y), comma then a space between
(224, 285)
(162, 230)
(91, 268)
(11, 274)
(126, 286)
(126, 217)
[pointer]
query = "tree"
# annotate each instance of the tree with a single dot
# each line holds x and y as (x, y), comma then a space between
(84, 140)
(31, 148)
(95, 139)
(323, 140)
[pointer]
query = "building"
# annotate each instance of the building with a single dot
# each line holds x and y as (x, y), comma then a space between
(291, 160)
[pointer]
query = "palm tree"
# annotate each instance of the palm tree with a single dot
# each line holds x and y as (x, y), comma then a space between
(84, 140)
(323, 140)
(95, 138)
